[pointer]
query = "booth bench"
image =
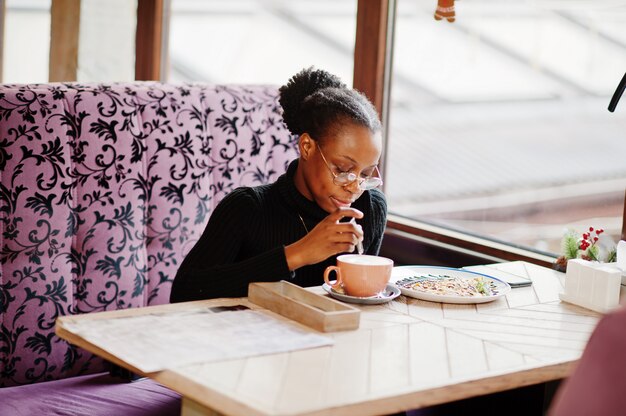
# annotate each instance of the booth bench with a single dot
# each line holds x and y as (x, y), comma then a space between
(103, 190)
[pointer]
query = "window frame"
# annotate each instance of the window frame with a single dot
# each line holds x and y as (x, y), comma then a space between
(64, 34)
(151, 41)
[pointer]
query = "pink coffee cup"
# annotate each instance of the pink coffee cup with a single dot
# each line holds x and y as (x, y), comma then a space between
(360, 275)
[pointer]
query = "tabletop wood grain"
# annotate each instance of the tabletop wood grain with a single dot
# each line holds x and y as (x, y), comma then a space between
(406, 354)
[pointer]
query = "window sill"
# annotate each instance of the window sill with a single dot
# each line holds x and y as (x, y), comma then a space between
(452, 247)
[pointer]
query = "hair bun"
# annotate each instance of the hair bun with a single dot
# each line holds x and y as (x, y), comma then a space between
(298, 88)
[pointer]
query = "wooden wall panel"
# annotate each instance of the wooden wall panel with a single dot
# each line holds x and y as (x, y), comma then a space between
(370, 51)
(149, 40)
(64, 31)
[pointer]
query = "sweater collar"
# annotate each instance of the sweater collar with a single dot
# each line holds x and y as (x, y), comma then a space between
(301, 205)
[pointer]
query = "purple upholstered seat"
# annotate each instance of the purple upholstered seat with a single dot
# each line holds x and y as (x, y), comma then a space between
(91, 395)
(103, 190)
(597, 387)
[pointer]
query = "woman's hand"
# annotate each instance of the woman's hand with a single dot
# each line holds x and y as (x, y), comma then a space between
(328, 238)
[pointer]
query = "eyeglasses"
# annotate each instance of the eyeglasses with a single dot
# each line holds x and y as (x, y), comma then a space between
(346, 178)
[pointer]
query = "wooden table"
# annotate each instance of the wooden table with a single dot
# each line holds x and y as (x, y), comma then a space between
(406, 354)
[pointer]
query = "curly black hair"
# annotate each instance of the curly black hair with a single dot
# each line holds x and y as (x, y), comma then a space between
(318, 103)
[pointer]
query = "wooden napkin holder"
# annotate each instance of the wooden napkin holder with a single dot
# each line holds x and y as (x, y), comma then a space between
(291, 301)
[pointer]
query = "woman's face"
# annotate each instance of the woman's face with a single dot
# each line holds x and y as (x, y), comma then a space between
(352, 149)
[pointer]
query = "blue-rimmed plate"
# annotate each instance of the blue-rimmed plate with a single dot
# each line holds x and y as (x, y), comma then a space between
(447, 285)
(390, 293)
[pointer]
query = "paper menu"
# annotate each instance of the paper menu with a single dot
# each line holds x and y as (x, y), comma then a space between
(155, 342)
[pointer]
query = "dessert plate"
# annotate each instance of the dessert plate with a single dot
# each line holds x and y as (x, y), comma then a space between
(390, 293)
(448, 285)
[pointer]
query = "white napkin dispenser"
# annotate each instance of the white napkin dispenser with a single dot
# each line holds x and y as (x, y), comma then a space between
(592, 285)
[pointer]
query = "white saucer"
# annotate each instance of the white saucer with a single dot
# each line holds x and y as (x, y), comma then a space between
(391, 292)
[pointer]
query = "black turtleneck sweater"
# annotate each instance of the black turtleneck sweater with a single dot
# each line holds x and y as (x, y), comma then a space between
(246, 236)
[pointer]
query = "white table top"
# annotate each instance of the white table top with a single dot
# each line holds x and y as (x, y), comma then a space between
(406, 354)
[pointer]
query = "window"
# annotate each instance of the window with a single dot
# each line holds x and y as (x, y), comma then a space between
(248, 41)
(26, 41)
(106, 44)
(499, 124)
(106, 47)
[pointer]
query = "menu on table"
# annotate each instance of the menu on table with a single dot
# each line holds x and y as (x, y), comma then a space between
(155, 342)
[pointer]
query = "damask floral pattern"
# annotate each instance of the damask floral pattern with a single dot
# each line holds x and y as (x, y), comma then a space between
(103, 190)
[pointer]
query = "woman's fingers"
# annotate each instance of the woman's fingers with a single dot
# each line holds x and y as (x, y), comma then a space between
(350, 228)
(344, 248)
(331, 236)
(343, 213)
